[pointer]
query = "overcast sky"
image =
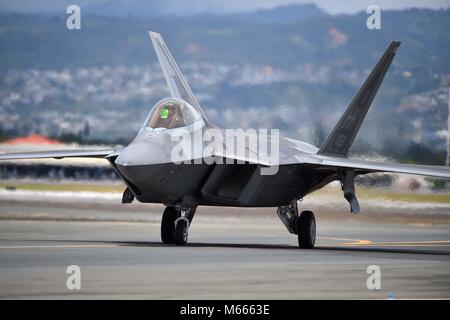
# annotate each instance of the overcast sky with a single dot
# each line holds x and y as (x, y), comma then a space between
(331, 6)
(352, 6)
(336, 6)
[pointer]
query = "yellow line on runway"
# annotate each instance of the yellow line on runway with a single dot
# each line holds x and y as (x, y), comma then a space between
(433, 243)
(414, 242)
(361, 242)
(407, 245)
(352, 241)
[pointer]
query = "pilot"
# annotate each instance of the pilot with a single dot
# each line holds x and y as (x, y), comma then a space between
(168, 116)
(171, 113)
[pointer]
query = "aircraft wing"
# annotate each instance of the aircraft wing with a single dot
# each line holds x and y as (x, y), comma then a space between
(363, 166)
(57, 154)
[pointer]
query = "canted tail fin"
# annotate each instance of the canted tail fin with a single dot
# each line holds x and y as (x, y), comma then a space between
(340, 140)
(176, 82)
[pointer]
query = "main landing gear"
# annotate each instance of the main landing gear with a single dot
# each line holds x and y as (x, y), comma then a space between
(176, 221)
(175, 225)
(303, 225)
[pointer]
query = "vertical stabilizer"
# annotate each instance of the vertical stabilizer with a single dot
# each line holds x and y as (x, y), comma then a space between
(340, 140)
(176, 82)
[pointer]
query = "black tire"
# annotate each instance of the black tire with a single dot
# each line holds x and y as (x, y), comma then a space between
(181, 232)
(306, 227)
(168, 225)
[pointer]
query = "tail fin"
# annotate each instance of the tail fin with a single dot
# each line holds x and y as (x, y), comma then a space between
(176, 82)
(341, 138)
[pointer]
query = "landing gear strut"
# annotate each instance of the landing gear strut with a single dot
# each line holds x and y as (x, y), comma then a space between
(303, 225)
(175, 225)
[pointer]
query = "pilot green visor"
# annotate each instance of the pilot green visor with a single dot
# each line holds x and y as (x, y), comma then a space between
(164, 113)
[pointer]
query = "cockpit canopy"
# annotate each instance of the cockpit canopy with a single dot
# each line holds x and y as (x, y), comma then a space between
(172, 113)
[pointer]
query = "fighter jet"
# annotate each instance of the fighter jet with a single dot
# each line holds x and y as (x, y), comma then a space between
(150, 174)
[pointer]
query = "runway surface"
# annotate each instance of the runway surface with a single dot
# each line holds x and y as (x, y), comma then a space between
(229, 256)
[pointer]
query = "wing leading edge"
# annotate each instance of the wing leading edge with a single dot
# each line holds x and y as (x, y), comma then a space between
(57, 154)
(363, 166)
(348, 169)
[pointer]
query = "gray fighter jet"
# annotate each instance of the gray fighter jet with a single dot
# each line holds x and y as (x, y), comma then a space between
(147, 168)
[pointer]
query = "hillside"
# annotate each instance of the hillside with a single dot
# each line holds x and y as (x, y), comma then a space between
(246, 64)
(43, 41)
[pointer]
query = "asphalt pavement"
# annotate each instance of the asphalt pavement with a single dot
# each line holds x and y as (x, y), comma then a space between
(240, 255)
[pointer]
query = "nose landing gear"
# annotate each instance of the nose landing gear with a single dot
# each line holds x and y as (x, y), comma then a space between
(175, 225)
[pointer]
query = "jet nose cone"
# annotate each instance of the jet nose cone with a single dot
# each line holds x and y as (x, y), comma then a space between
(141, 153)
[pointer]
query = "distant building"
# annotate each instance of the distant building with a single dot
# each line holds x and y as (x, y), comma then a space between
(71, 168)
(32, 140)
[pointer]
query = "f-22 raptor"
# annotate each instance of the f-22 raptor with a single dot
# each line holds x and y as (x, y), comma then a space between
(151, 176)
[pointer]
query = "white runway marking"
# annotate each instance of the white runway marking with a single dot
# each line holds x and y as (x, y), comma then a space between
(71, 246)
(348, 242)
